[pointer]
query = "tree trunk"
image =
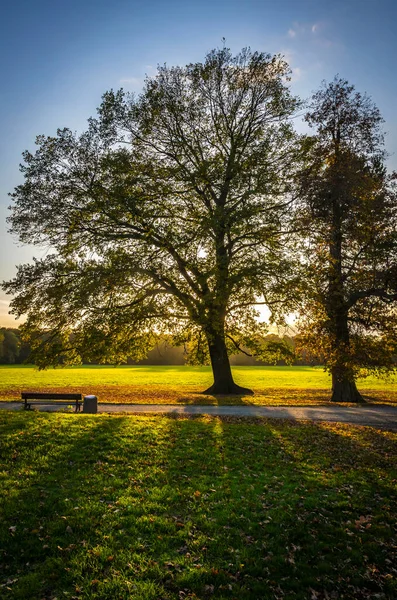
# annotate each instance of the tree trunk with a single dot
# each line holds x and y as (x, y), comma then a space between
(344, 387)
(223, 378)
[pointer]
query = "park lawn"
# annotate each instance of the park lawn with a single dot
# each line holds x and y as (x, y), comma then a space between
(158, 508)
(183, 384)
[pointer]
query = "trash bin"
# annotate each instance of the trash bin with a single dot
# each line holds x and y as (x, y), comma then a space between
(90, 405)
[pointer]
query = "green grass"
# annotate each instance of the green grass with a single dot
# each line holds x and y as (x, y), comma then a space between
(175, 384)
(154, 508)
(197, 377)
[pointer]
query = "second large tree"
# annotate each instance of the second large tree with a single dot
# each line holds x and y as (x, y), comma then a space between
(349, 219)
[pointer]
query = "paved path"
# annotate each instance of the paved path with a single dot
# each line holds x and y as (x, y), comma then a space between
(377, 416)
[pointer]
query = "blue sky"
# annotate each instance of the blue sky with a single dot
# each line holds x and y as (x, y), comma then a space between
(57, 58)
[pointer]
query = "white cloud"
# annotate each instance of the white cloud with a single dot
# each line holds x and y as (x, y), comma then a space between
(303, 29)
(297, 29)
(315, 36)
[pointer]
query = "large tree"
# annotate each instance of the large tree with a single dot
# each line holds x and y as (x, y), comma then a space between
(350, 211)
(169, 214)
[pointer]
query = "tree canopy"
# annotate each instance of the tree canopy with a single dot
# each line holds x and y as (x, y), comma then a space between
(171, 213)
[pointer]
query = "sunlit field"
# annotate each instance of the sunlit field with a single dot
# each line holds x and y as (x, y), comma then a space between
(182, 384)
(110, 507)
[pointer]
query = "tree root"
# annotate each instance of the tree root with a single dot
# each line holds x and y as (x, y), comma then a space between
(229, 390)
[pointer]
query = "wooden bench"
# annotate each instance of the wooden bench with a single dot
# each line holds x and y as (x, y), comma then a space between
(51, 398)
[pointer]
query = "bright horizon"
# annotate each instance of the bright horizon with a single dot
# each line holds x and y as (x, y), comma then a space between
(57, 61)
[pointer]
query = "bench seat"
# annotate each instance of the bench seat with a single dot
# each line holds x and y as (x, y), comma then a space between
(51, 398)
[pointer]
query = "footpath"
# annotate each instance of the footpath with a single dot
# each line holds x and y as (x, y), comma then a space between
(375, 416)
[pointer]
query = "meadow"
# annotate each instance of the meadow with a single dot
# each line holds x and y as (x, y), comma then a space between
(183, 384)
(159, 508)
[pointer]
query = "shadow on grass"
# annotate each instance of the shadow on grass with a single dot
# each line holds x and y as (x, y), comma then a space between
(280, 511)
(50, 471)
(171, 508)
(380, 396)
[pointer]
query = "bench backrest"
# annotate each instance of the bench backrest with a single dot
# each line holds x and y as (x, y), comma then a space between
(49, 396)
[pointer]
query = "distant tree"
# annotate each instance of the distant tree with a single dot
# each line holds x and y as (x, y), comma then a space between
(9, 346)
(169, 215)
(350, 212)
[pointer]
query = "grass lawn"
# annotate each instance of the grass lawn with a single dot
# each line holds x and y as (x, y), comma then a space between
(156, 508)
(176, 384)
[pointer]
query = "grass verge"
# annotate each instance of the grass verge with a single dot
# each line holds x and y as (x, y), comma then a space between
(158, 508)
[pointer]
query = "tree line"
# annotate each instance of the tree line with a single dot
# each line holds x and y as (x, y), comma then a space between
(180, 210)
(14, 350)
